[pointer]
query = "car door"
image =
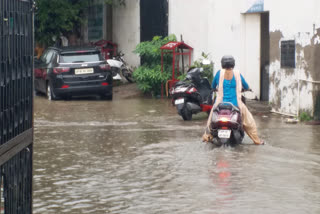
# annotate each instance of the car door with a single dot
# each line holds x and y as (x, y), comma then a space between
(42, 69)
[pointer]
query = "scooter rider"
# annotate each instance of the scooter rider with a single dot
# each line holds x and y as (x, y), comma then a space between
(230, 83)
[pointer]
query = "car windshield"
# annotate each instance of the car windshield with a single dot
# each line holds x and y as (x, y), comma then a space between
(79, 57)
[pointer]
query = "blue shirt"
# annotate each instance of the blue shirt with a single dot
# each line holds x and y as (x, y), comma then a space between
(229, 88)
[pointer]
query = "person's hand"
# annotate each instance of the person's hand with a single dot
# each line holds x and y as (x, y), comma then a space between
(207, 137)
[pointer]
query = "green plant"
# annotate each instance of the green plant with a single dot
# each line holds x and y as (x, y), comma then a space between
(149, 76)
(55, 17)
(58, 16)
(151, 53)
(207, 68)
(182, 77)
(149, 79)
(305, 116)
(116, 2)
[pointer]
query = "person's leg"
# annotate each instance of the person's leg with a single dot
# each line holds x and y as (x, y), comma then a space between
(249, 125)
(207, 137)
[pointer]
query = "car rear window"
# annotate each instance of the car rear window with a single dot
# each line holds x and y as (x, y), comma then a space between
(79, 57)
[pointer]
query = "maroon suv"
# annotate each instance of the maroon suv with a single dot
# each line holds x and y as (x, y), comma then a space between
(72, 71)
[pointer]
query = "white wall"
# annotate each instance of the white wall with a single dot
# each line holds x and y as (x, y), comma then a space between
(215, 27)
(126, 30)
(191, 20)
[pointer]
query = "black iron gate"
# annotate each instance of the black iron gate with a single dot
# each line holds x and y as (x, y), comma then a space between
(16, 105)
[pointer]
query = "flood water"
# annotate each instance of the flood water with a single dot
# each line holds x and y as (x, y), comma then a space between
(138, 156)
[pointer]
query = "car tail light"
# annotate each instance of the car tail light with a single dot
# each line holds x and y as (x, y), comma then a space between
(105, 84)
(65, 86)
(105, 67)
(60, 70)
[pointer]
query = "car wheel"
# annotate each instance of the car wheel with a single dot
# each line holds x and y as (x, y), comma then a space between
(50, 93)
(37, 93)
(186, 113)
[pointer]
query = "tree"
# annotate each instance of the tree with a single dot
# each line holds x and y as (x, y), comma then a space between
(58, 16)
(55, 17)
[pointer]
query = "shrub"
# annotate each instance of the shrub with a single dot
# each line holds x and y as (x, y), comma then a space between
(149, 76)
(149, 79)
(305, 116)
(151, 53)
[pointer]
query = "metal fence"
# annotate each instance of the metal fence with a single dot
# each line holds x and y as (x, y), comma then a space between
(16, 105)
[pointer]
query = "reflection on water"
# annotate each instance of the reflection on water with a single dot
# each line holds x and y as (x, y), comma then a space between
(138, 156)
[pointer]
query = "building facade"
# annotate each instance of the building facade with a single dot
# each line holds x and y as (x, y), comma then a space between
(276, 43)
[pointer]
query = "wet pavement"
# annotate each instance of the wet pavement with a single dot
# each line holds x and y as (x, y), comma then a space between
(136, 155)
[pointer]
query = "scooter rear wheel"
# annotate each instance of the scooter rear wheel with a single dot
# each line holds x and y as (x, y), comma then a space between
(186, 114)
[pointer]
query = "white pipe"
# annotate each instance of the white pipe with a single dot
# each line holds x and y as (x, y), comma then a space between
(286, 114)
(298, 96)
(311, 81)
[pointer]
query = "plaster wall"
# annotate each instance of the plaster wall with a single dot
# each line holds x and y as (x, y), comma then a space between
(294, 90)
(126, 30)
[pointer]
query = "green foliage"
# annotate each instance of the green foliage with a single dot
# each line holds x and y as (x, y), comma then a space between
(62, 16)
(151, 53)
(116, 2)
(207, 68)
(182, 77)
(149, 76)
(149, 79)
(305, 116)
(58, 16)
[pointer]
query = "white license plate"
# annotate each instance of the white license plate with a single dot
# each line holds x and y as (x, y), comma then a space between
(83, 71)
(224, 133)
(179, 101)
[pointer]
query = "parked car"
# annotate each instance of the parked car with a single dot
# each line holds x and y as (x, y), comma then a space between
(72, 71)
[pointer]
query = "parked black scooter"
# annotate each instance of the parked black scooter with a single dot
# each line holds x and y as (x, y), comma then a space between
(192, 95)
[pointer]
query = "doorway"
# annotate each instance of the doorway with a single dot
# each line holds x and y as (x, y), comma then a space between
(153, 19)
(256, 53)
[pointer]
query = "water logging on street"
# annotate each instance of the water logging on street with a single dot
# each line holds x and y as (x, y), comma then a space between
(136, 155)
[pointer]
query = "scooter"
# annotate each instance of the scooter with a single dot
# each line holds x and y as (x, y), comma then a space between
(226, 124)
(192, 95)
(120, 68)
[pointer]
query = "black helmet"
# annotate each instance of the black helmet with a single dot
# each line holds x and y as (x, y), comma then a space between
(227, 61)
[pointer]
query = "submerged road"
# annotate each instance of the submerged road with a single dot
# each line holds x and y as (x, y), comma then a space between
(137, 156)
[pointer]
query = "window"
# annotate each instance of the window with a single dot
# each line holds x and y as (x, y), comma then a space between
(80, 57)
(46, 57)
(288, 54)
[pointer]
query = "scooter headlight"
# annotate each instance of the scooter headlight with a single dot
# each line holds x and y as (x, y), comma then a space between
(234, 118)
